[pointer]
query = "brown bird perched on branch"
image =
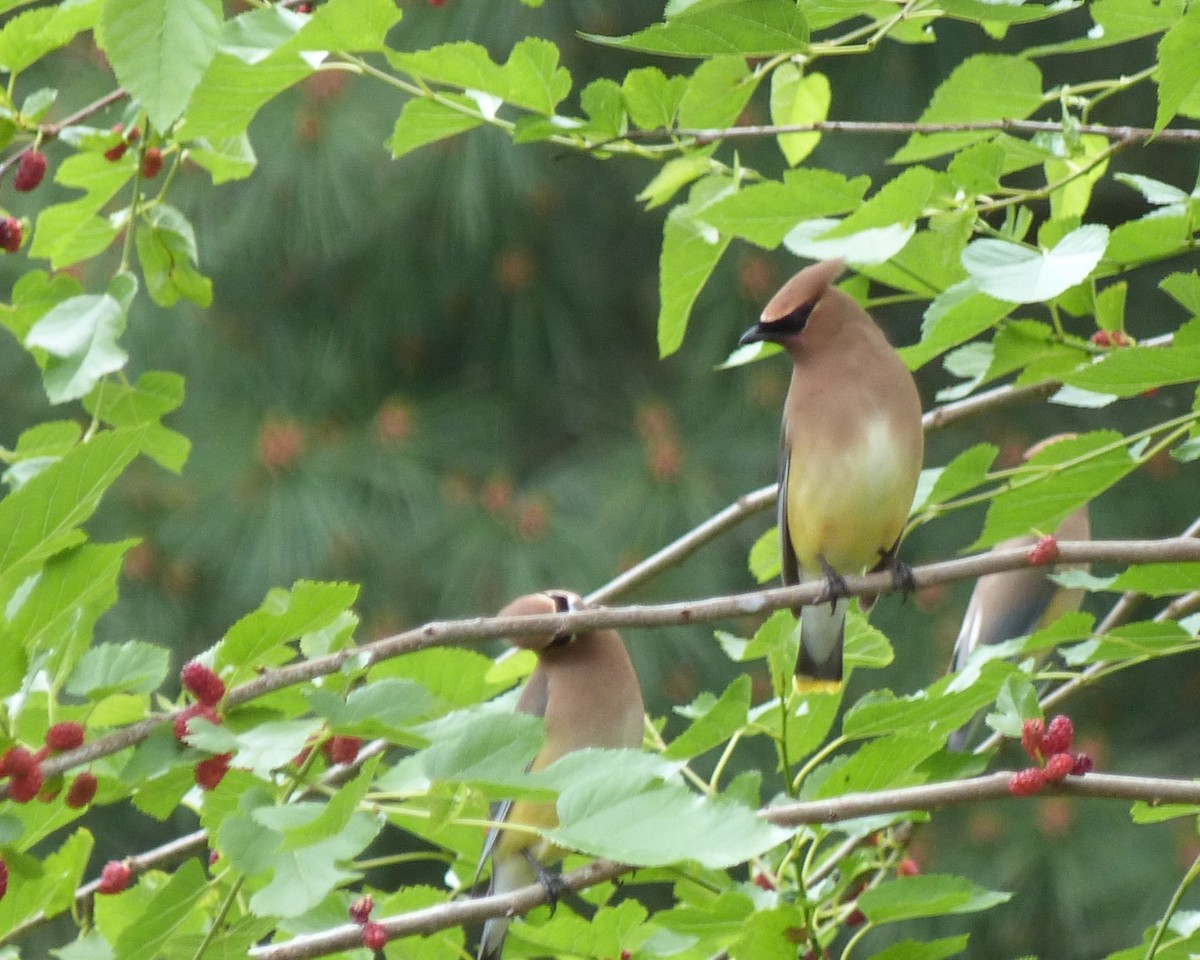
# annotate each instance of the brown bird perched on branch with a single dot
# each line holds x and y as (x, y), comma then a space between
(850, 453)
(585, 689)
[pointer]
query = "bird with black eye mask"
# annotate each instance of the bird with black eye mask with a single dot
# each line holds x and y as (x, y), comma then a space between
(585, 689)
(851, 449)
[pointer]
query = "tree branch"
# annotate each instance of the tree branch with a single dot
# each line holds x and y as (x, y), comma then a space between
(1152, 790)
(707, 135)
(459, 632)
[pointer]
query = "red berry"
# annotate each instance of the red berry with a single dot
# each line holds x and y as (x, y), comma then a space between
(1058, 766)
(344, 749)
(1120, 339)
(360, 909)
(152, 163)
(17, 762)
(1032, 732)
(374, 936)
(1083, 764)
(82, 791)
(135, 134)
(114, 877)
(1043, 552)
(209, 773)
(24, 787)
(113, 154)
(64, 736)
(1059, 734)
(3, 878)
(1101, 339)
(856, 918)
(30, 170)
(184, 718)
(202, 683)
(437, 3)
(763, 882)
(10, 234)
(907, 867)
(1025, 783)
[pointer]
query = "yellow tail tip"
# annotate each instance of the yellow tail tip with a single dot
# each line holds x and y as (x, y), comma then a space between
(803, 684)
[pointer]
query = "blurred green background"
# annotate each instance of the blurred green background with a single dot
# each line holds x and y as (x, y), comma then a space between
(438, 378)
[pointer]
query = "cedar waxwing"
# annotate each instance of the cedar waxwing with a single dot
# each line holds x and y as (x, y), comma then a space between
(585, 689)
(1018, 602)
(850, 452)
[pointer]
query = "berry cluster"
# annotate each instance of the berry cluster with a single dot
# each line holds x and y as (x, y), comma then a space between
(1111, 338)
(374, 935)
(208, 689)
(1049, 746)
(26, 780)
(11, 230)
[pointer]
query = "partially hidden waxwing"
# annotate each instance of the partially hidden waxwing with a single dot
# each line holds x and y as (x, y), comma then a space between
(585, 689)
(851, 450)
(1016, 603)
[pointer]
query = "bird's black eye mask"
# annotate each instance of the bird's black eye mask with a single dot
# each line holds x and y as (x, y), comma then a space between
(562, 604)
(793, 322)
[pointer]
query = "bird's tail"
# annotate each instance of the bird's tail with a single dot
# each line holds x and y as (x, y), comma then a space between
(822, 635)
(491, 944)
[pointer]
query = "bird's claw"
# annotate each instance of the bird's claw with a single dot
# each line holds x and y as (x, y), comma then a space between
(835, 586)
(551, 882)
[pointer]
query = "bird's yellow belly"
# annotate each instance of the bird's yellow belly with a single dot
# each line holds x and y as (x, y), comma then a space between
(848, 507)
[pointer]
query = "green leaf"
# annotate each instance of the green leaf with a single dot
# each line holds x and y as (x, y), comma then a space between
(652, 98)
(54, 621)
(899, 201)
(867, 247)
(1016, 703)
(926, 895)
(380, 709)
(337, 813)
(1131, 641)
(51, 889)
(1043, 503)
(347, 25)
(165, 914)
(939, 710)
(977, 169)
(80, 335)
(888, 762)
(865, 646)
(760, 28)
(610, 932)
(622, 818)
(1015, 274)
(456, 678)
(72, 231)
(225, 158)
(423, 122)
(965, 472)
(924, 950)
(771, 934)
(486, 747)
(143, 404)
(1132, 371)
(260, 638)
(43, 517)
(233, 91)
(690, 251)
(108, 668)
(797, 100)
(717, 92)
(1078, 172)
(956, 315)
(1155, 236)
(982, 87)
(1142, 812)
(764, 561)
(535, 80)
(159, 50)
(764, 213)
(714, 722)
(1178, 73)
(302, 878)
(28, 36)
(1184, 288)
(166, 246)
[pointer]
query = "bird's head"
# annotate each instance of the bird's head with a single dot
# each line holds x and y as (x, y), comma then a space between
(787, 314)
(535, 604)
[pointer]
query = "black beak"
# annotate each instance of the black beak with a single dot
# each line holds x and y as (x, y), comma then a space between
(755, 334)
